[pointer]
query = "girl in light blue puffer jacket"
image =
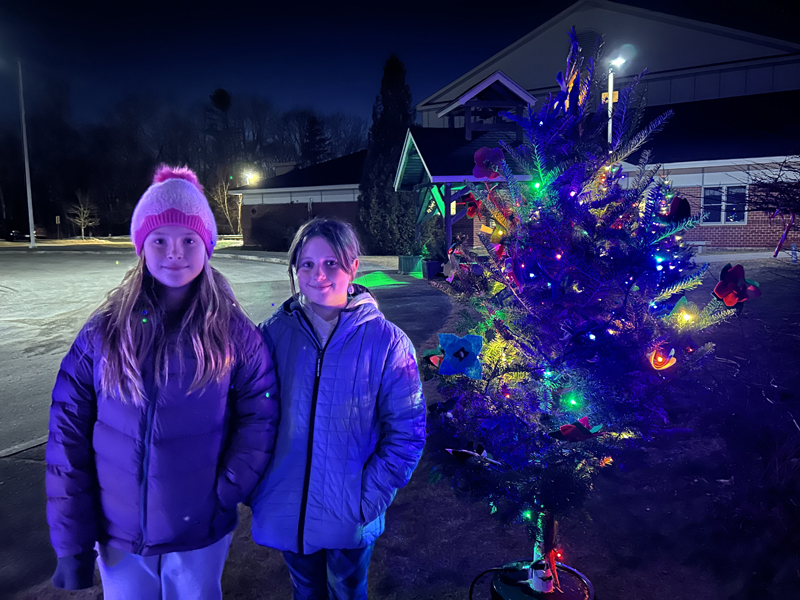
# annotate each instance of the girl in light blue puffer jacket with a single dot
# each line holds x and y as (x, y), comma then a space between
(352, 424)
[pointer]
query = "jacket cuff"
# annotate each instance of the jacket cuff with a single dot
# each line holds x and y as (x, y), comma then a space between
(227, 494)
(75, 572)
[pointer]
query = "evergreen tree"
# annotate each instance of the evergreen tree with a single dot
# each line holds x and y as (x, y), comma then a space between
(315, 146)
(579, 314)
(387, 217)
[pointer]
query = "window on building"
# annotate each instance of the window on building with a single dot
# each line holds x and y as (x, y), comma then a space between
(725, 204)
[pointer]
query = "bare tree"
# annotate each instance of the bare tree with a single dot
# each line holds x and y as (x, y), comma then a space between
(290, 141)
(776, 188)
(228, 205)
(347, 134)
(83, 214)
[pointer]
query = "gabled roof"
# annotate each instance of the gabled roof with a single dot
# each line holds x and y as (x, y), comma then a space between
(664, 42)
(439, 155)
(500, 82)
(740, 127)
(345, 170)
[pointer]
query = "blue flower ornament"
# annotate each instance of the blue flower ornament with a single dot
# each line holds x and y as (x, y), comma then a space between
(461, 355)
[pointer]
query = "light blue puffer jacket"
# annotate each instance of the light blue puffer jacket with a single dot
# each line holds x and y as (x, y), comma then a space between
(351, 430)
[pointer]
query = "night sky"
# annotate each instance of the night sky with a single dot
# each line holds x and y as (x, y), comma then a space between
(309, 54)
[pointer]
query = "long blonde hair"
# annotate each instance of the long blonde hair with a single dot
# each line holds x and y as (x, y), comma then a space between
(131, 325)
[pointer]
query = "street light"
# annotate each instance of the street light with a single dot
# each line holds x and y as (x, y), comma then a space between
(617, 62)
(25, 151)
(251, 177)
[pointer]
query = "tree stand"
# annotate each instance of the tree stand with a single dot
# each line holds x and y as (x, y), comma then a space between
(543, 577)
(513, 585)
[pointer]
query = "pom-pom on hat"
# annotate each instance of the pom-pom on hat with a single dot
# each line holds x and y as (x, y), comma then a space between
(174, 198)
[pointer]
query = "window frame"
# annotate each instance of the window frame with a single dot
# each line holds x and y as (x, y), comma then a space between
(724, 205)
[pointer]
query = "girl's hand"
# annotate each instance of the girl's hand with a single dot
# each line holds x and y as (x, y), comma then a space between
(75, 572)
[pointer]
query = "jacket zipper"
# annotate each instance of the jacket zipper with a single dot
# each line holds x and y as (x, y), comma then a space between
(151, 409)
(312, 416)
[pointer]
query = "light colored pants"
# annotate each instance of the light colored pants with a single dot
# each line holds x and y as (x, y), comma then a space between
(192, 575)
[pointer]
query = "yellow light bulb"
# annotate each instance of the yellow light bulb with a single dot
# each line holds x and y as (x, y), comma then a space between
(687, 317)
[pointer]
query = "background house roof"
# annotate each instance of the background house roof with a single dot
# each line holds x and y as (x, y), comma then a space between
(445, 153)
(662, 42)
(754, 126)
(742, 127)
(345, 170)
(498, 87)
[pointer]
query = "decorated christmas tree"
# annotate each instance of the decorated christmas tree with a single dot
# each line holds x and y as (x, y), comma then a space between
(576, 318)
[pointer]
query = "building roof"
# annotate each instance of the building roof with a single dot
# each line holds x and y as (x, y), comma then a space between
(741, 127)
(663, 43)
(345, 170)
(498, 86)
(437, 155)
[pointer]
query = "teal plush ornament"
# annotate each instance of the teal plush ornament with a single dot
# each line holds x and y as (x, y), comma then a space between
(461, 355)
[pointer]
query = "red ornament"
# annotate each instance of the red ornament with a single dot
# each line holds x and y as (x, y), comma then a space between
(733, 287)
(499, 251)
(578, 431)
(679, 210)
(486, 161)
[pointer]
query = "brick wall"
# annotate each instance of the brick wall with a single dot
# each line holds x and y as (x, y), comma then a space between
(470, 228)
(757, 233)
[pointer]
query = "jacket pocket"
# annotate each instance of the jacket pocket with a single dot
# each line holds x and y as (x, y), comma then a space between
(352, 497)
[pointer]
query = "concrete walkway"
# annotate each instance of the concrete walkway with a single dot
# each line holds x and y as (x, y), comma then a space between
(734, 257)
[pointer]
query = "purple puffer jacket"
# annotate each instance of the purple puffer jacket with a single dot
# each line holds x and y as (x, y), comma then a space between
(161, 478)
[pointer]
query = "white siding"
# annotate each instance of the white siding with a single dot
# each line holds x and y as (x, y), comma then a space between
(339, 196)
(283, 198)
(305, 196)
(302, 196)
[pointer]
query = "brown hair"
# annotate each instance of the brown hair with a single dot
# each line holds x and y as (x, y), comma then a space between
(341, 236)
(131, 325)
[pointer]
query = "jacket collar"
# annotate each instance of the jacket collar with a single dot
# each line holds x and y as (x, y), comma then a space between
(361, 307)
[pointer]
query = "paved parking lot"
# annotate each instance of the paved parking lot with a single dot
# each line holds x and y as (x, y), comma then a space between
(46, 298)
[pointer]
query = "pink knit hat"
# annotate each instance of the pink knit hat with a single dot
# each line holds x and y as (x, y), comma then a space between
(174, 198)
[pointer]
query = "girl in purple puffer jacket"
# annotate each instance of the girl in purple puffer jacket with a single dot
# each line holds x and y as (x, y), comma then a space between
(163, 416)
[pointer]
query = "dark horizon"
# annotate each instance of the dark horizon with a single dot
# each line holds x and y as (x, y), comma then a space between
(318, 56)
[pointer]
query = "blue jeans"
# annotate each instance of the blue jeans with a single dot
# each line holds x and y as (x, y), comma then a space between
(330, 574)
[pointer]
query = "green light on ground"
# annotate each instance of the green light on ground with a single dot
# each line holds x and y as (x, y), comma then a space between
(416, 274)
(379, 279)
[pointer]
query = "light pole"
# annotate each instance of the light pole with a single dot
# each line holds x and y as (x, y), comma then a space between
(617, 62)
(27, 164)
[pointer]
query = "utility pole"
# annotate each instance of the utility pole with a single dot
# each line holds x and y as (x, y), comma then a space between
(27, 164)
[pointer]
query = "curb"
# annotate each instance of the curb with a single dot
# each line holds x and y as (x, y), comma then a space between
(29, 251)
(17, 448)
(265, 259)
